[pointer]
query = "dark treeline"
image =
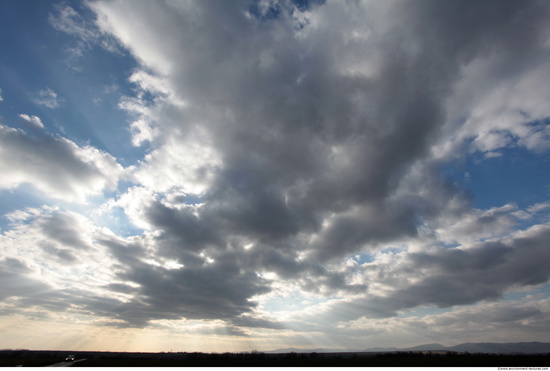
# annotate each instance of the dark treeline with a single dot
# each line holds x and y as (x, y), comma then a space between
(261, 359)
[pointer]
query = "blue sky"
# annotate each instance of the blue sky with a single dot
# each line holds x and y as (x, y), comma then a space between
(88, 88)
(270, 174)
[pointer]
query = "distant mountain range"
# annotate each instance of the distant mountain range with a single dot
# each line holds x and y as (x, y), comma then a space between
(530, 347)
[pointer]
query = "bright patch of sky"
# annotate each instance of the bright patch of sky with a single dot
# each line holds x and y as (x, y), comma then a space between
(273, 173)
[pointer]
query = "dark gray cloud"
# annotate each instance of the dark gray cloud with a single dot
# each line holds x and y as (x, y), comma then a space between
(315, 157)
(125, 253)
(509, 27)
(201, 289)
(213, 292)
(183, 229)
(22, 294)
(481, 273)
(249, 321)
(15, 281)
(64, 228)
(204, 292)
(303, 142)
(64, 255)
(453, 277)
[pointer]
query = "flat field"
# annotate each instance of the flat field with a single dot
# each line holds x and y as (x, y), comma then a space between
(29, 358)
(398, 361)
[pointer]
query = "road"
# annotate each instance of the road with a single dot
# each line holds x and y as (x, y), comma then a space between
(66, 364)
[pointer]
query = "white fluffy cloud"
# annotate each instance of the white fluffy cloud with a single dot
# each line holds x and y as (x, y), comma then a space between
(55, 165)
(34, 120)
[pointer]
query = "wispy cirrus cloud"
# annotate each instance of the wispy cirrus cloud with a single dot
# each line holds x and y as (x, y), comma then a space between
(66, 19)
(48, 98)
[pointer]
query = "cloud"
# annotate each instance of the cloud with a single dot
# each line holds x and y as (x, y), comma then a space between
(217, 291)
(450, 277)
(1, 98)
(55, 165)
(283, 148)
(526, 318)
(65, 19)
(13, 272)
(499, 100)
(61, 248)
(63, 256)
(294, 158)
(53, 243)
(248, 321)
(319, 139)
(48, 98)
(34, 120)
(477, 225)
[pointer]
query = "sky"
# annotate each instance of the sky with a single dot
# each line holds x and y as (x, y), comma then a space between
(261, 174)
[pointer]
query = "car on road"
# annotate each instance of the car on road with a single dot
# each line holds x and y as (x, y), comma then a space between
(70, 358)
